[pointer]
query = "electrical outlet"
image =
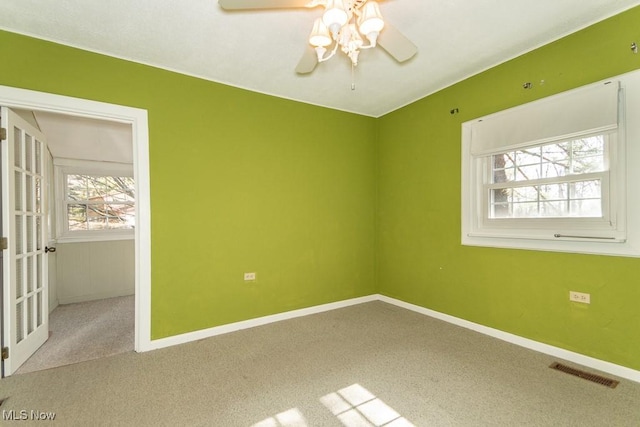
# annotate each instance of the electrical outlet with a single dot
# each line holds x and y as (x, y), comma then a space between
(580, 297)
(249, 277)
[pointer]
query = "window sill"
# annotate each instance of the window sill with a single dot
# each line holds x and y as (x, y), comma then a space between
(584, 246)
(84, 238)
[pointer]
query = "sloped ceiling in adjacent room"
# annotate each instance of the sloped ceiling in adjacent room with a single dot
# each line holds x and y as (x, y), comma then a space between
(81, 138)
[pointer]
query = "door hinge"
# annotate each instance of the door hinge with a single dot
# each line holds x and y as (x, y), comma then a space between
(5, 353)
(4, 244)
(3, 134)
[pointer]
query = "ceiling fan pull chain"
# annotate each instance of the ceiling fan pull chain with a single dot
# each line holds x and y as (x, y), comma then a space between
(353, 76)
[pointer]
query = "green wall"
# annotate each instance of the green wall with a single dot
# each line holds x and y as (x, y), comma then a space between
(243, 182)
(240, 182)
(420, 257)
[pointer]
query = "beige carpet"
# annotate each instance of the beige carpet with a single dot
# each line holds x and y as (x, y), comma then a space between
(368, 365)
(85, 331)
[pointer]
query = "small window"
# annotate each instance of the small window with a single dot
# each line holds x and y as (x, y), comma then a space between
(94, 200)
(552, 174)
(560, 180)
(99, 202)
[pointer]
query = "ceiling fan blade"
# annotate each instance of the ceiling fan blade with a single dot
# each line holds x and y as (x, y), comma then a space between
(396, 44)
(308, 61)
(264, 4)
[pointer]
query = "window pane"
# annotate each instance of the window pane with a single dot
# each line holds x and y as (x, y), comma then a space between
(591, 146)
(28, 144)
(500, 210)
(29, 193)
(18, 190)
(17, 147)
(29, 233)
(555, 169)
(121, 216)
(586, 208)
(77, 215)
(38, 168)
(553, 209)
(558, 161)
(39, 310)
(560, 152)
(77, 187)
(588, 164)
(525, 210)
(19, 235)
(19, 278)
(96, 187)
(30, 284)
(102, 202)
(525, 194)
(38, 195)
(503, 160)
(588, 154)
(529, 156)
(553, 192)
(525, 173)
(586, 190)
(575, 199)
(120, 189)
(549, 161)
(19, 322)
(97, 217)
(29, 301)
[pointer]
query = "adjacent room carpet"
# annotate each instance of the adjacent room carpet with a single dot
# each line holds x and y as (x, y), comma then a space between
(372, 364)
(85, 331)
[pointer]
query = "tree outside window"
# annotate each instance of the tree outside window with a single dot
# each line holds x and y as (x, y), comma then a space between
(100, 202)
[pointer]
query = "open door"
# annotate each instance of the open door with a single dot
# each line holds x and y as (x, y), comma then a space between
(24, 221)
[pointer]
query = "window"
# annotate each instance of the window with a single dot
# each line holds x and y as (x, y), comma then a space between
(99, 202)
(558, 180)
(95, 200)
(552, 174)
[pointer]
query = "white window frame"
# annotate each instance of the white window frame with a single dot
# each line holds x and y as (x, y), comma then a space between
(64, 167)
(617, 233)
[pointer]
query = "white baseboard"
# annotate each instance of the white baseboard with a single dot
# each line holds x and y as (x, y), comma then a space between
(581, 359)
(601, 365)
(245, 324)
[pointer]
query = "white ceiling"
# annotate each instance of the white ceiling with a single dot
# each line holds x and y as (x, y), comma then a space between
(259, 50)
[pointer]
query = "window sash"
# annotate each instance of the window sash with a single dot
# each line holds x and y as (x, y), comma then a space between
(63, 168)
(544, 181)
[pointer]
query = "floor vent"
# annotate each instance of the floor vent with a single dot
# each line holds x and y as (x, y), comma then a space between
(585, 375)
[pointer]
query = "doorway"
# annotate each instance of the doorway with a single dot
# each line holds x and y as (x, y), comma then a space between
(89, 168)
(136, 119)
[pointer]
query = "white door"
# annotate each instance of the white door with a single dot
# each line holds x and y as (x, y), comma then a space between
(24, 221)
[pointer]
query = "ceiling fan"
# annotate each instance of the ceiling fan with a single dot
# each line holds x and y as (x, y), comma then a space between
(344, 25)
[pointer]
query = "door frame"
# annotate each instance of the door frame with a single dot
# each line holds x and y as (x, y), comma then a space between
(138, 119)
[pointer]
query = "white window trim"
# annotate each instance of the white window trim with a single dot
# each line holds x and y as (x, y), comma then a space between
(63, 167)
(628, 216)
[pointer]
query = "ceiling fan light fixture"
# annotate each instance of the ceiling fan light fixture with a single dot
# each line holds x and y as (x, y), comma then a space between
(320, 51)
(319, 36)
(371, 20)
(354, 41)
(335, 16)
